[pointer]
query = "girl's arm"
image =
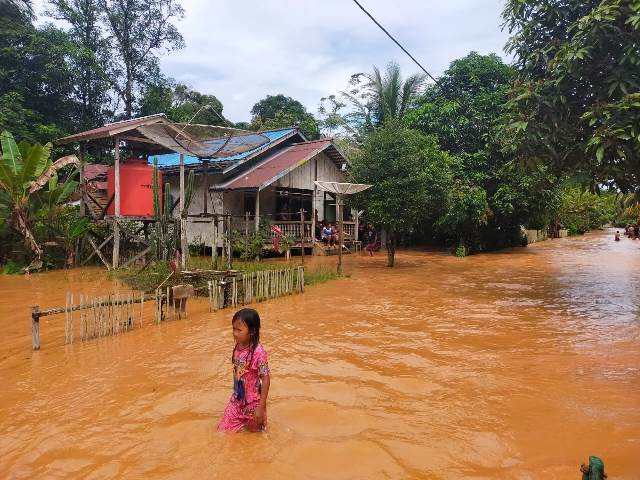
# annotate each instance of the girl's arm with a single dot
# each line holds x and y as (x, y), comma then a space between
(264, 393)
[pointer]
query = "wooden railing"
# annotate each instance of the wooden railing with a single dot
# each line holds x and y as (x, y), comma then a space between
(292, 229)
(349, 230)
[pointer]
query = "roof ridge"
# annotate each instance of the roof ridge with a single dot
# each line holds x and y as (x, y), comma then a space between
(136, 118)
(326, 139)
(274, 130)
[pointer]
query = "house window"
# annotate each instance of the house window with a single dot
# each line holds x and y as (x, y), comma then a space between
(289, 201)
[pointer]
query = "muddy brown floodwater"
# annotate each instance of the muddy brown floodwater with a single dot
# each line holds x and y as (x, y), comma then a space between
(516, 364)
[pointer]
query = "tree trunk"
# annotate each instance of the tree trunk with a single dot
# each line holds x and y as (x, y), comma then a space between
(128, 101)
(24, 230)
(26, 233)
(391, 249)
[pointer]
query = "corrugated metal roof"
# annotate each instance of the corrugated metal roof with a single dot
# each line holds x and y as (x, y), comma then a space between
(111, 129)
(173, 159)
(278, 165)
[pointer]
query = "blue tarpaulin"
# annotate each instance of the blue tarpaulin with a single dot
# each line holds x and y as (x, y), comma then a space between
(173, 159)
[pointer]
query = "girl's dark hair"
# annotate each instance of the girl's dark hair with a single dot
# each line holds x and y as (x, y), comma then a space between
(251, 318)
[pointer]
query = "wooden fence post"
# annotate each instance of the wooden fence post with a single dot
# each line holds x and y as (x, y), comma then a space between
(35, 328)
(229, 252)
(302, 234)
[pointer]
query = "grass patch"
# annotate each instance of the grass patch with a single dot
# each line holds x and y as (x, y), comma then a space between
(319, 276)
(148, 279)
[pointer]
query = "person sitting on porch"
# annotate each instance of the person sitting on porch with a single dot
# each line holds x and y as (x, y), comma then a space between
(334, 234)
(328, 234)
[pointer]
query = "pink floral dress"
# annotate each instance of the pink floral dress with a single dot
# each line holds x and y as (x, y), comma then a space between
(248, 366)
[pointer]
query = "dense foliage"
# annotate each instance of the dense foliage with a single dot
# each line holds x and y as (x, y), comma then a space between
(278, 111)
(491, 198)
(575, 103)
(410, 177)
(581, 211)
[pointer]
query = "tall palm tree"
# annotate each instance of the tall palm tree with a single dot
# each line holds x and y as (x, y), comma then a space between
(24, 170)
(384, 96)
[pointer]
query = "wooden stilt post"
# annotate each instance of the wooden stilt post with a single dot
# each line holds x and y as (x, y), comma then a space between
(210, 295)
(246, 231)
(340, 231)
(183, 223)
(116, 226)
(313, 207)
(228, 238)
(257, 219)
(214, 251)
(82, 202)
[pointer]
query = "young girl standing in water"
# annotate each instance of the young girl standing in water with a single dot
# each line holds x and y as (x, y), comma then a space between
(247, 408)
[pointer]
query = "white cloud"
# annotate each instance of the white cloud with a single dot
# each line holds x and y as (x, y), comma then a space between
(242, 51)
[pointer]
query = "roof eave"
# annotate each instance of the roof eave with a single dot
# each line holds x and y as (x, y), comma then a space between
(110, 132)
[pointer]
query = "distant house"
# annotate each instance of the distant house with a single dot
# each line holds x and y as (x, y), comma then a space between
(251, 177)
(270, 183)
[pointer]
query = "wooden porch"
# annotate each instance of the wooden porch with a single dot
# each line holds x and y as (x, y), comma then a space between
(298, 231)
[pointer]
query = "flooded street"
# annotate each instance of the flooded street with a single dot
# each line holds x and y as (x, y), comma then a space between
(509, 365)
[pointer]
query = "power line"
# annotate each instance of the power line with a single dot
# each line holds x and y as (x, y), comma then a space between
(395, 41)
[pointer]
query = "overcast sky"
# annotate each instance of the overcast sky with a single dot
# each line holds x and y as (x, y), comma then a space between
(242, 50)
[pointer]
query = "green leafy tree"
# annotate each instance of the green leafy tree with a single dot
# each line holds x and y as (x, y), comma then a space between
(464, 108)
(467, 212)
(91, 58)
(139, 30)
(581, 211)
(17, 11)
(269, 106)
(181, 104)
(24, 170)
(410, 177)
(279, 111)
(36, 81)
(575, 104)
(464, 112)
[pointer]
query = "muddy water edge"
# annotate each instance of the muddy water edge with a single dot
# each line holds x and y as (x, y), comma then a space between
(516, 364)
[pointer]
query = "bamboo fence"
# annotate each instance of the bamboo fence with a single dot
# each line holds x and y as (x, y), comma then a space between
(101, 316)
(253, 287)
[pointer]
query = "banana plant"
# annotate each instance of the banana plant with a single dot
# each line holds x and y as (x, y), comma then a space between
(24, 170)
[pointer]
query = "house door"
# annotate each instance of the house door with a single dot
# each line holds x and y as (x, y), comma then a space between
(329, 207)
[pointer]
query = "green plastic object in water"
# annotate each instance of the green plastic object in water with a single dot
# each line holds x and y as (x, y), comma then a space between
(596, 469)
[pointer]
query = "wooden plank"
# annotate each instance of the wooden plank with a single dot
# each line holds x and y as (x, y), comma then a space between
(180, 292)
(98, 252)
(116, 226)
(99, 248)
(137, 257)
(183, 224)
